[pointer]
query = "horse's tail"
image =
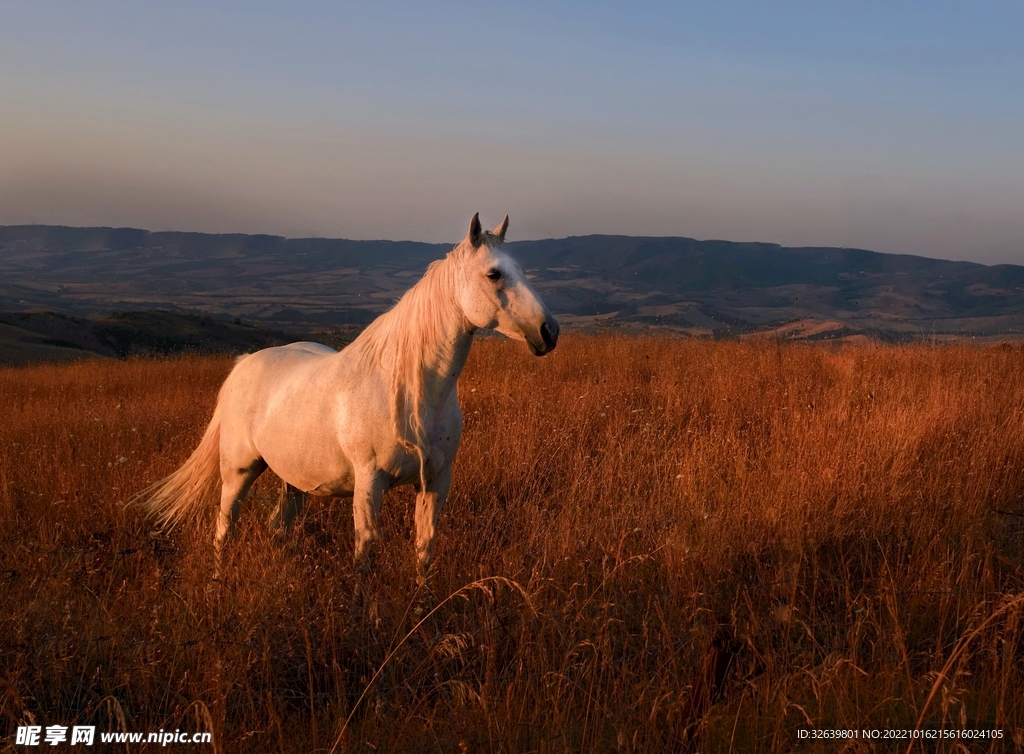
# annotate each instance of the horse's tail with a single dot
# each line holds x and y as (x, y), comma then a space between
(182, 495)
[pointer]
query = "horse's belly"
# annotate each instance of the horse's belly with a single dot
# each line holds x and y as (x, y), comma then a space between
(312, 465)
(323, 481)
(343, 486)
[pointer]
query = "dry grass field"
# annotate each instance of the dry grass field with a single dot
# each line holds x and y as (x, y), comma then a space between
(650, 545)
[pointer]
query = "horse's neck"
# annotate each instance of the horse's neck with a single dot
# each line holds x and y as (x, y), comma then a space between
(443, 345)
(441, 370)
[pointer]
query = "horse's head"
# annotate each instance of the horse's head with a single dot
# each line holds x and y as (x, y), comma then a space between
(495, 295)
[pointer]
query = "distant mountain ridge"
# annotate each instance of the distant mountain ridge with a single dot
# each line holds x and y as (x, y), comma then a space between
(700, 287)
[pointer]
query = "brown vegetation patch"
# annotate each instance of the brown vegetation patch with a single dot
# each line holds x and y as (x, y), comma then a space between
(703, 545)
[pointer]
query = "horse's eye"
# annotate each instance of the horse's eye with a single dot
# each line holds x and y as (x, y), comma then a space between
(494, 274)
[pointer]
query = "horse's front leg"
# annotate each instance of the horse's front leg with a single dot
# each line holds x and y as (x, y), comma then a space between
(429, 503)
(366, 500)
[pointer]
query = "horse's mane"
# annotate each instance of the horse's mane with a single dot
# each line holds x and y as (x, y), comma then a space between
(405, 339)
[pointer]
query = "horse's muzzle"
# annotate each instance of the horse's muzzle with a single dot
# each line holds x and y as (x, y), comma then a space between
(549, 338)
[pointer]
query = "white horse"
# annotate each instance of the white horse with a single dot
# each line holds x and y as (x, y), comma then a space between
(382, 412)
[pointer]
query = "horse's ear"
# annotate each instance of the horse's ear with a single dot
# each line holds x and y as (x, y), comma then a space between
(500, 230)
(476, 232)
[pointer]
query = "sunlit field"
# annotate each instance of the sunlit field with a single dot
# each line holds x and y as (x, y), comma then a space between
(650, 545)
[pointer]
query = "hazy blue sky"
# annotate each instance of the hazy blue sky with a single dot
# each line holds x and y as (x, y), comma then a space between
(891, 126)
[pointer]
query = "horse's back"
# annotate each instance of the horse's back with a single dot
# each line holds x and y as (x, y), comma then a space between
(282, 359)
(258, 377)
(308, 347)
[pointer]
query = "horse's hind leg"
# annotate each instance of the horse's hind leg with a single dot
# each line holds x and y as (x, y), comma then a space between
(289, 506)
(236, 483)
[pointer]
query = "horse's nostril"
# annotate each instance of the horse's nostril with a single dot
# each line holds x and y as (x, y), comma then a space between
(549, 337)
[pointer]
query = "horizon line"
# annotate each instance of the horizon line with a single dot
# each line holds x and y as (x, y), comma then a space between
(525, 240)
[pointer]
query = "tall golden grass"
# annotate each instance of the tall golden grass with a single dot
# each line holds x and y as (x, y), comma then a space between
(650, 545)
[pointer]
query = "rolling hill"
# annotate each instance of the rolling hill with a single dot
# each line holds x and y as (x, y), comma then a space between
(698, 287)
